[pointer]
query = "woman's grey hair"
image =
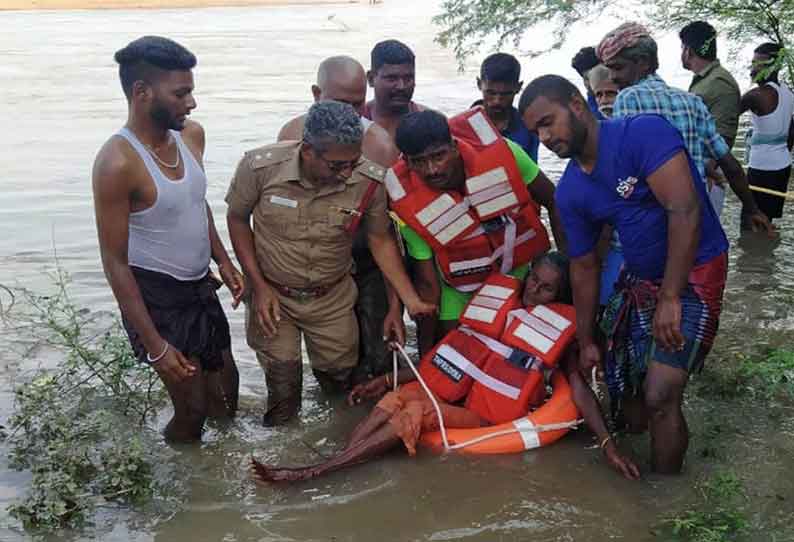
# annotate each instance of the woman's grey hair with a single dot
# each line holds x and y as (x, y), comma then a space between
(644, 48)
(329, 123)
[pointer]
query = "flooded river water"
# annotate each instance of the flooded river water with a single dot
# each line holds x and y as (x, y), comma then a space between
(61, 100)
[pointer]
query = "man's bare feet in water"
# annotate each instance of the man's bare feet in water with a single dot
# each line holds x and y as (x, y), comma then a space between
(264, 474)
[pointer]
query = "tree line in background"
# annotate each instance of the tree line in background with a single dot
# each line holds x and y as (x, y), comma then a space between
(467, 25)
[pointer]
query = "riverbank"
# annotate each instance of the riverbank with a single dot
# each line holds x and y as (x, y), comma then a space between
(15, 5)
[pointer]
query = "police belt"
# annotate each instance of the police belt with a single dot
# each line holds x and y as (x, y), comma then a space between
(305, 294)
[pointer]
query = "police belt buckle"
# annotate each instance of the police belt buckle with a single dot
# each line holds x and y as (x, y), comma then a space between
(301, 295)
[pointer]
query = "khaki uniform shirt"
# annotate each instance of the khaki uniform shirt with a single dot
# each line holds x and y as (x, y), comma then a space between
(720, 92)
(300, 228)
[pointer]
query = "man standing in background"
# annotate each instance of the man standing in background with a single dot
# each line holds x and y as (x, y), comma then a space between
(712, 82)
(499, 82)
(771, 106)
(392, 76)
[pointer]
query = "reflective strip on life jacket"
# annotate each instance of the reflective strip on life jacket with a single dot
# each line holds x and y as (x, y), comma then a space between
(509, 246)
(482, 127)
(393, 186)
(499, 292)
(487, 311)
(545, 331)
(477, 374)
(444, 218)
(555, 319)
(529, 335)
(491, 193)
(540, 328)
(461, 266)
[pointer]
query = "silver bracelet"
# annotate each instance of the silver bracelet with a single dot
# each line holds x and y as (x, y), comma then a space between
(158, 358)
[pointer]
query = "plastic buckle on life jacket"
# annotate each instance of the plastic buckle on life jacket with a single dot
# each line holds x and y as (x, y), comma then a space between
(521, 359)
(495, 224)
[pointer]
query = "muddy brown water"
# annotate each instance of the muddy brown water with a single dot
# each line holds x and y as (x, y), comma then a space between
(60, 100)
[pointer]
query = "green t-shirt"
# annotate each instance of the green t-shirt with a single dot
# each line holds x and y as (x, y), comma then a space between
(452, 300)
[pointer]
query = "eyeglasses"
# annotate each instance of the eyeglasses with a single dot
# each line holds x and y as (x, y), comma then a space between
(338, 166)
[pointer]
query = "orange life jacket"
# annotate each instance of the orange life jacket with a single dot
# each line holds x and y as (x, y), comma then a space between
(522, 342)
(524, 376)
(495, 227)
(488, 308)
(544, 331)
(447, 369)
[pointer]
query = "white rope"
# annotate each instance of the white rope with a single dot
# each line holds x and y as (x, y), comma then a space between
(395, 369)
(429, 394)
(534, 429)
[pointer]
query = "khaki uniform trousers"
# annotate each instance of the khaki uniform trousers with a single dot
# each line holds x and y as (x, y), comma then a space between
(329, 327)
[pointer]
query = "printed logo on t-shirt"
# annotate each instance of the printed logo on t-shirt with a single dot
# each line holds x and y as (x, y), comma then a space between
(626, 187)
(448, 368)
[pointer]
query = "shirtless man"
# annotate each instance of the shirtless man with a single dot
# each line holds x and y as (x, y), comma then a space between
(157, 235)
(342, 79)
(392, 76)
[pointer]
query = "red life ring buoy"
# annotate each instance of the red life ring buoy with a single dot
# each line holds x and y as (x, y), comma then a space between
(556, 416)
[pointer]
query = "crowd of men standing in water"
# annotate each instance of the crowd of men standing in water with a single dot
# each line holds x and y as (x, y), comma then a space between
(636, 212)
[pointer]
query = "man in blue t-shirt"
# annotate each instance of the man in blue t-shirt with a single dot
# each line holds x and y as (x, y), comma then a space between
(635, 173)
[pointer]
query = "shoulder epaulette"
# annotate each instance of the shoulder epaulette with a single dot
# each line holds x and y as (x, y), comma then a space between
(270, 154)
(372, 170)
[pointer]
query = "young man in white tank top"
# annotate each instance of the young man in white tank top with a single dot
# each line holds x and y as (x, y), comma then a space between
(157, 235)
(771, 106)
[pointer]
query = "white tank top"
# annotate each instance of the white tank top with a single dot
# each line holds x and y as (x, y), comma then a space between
(770, 132)
(171, 236)
(366, 123)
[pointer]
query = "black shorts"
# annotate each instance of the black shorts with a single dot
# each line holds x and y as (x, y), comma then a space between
(186, 313)
(772, 206)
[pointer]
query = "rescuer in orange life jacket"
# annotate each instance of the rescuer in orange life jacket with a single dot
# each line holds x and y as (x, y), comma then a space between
(467, 200)
(403, 415)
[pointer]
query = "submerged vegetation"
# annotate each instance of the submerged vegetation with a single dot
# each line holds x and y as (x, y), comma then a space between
(717, 517)
(81, 427)
(768, 377)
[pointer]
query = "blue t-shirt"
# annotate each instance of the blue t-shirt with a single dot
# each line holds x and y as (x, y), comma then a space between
(617, 192)
(517, 132)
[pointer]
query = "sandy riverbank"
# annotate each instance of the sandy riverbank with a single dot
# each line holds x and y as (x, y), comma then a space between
(150, 4)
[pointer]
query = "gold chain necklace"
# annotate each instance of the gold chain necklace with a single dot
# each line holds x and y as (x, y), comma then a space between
(161, 161)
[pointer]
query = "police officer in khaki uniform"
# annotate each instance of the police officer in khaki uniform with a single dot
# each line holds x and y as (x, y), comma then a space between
(307, 198)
